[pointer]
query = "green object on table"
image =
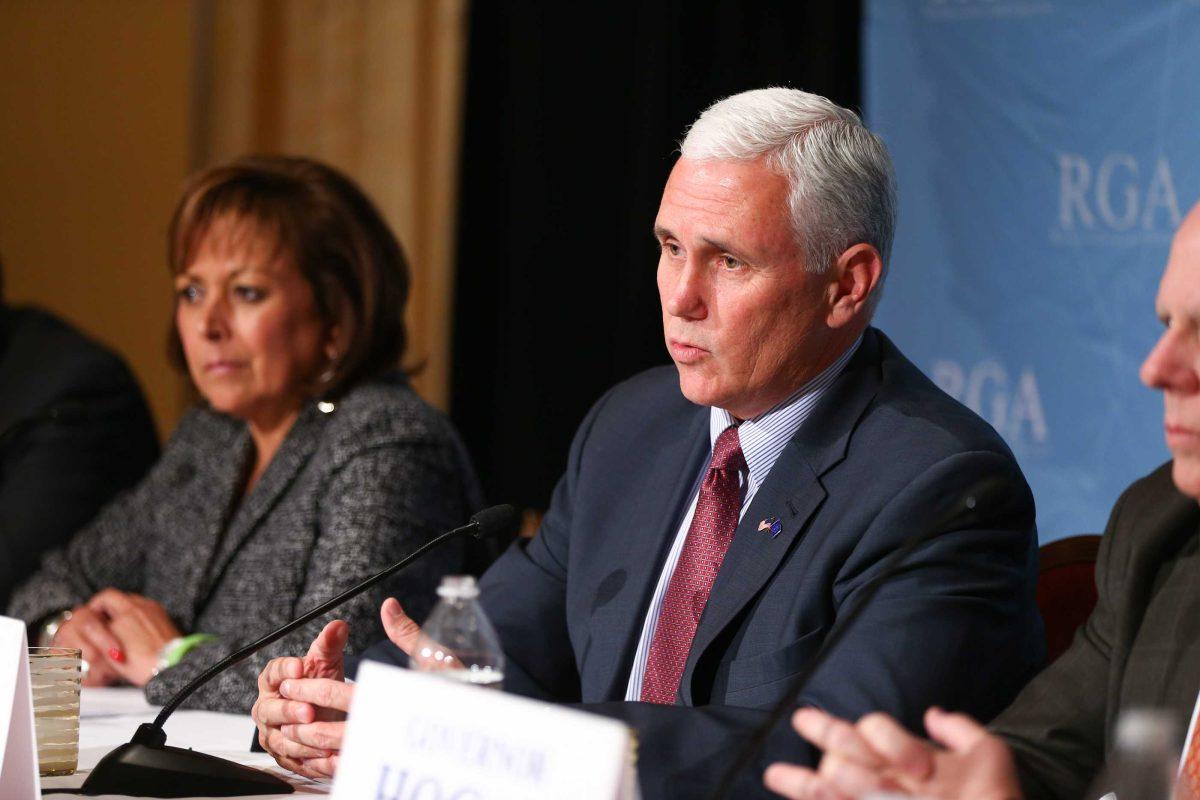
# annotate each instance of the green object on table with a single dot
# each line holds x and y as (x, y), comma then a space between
(174, 650)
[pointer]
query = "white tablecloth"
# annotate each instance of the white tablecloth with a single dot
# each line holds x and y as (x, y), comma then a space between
(108, 718)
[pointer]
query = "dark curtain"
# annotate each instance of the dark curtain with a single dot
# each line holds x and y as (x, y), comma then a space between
(573, 114)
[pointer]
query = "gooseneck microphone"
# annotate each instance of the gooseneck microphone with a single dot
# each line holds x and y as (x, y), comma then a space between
(983, 493)
(146, 766)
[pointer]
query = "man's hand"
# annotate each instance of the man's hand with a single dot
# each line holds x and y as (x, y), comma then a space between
(141, 625)
(324, 731)
(877, 754)
(89, 632)
(302, 702)
(399, 626)
(280, 718)
(406, 634)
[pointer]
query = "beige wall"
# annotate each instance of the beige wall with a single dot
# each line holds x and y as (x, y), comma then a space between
(94, 144)
(106, 105)
(372, 87)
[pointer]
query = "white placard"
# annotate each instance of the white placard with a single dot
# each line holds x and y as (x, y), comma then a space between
(413, 736)
(18, 746)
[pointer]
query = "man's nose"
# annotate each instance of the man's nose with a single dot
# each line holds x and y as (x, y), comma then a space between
(686, 296)
(1171, 364)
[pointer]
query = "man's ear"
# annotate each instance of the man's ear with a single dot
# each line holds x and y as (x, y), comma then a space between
(854, 277)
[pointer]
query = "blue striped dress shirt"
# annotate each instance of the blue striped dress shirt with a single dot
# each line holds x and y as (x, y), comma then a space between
(763, 439)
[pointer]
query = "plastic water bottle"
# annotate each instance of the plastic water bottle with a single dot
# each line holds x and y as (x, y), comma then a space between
(458, 641)
(1145, 761)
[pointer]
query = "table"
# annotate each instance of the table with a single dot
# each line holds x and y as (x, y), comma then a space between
(108, 717)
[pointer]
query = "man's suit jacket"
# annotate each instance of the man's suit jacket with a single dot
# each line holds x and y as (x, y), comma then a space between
(957, 626)
(1139, 648)
(74, 431)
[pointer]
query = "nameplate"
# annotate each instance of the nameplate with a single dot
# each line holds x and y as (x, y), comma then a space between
(18, 745)
(413, 736)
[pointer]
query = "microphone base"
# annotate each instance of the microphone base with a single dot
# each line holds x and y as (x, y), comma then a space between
(152, 770)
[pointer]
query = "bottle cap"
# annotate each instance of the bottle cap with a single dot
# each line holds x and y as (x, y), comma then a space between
(458, 587)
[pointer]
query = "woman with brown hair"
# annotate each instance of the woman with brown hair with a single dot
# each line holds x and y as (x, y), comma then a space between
(309, 465)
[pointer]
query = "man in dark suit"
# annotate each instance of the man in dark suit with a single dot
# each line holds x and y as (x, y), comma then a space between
(74, 431)
(718, 517)
(1140, 647)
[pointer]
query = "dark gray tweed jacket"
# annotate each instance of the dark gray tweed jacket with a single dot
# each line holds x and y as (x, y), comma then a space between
(346, 494)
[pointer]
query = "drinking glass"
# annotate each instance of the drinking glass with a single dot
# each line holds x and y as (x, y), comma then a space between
(55, 673)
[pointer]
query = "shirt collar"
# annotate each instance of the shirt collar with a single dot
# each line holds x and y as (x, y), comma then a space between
(764, 437)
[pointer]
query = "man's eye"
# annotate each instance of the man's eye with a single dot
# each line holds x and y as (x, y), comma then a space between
(250, 294)
(671, 249)
(729, 262)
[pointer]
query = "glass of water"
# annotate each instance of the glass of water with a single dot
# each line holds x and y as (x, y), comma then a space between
(55, 673)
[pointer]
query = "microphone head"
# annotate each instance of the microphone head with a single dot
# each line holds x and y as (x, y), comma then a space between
(495, 521)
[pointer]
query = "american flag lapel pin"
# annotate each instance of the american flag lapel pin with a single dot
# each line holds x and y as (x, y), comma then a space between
(773, 525)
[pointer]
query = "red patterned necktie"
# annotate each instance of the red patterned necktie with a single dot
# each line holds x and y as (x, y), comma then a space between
(1191, 767)
(708, 538)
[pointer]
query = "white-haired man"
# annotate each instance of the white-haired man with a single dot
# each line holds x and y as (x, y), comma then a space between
(1139, 648)
(718, 516)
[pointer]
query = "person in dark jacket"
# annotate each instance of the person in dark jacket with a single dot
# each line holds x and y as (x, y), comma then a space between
(74, 431)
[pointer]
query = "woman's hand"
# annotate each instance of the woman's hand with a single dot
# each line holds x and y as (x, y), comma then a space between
(89, 632)
(141, 626)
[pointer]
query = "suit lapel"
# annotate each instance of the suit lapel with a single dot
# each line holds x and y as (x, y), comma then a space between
(792, 492)
(293, 454)
(205, 493)
(617, 626)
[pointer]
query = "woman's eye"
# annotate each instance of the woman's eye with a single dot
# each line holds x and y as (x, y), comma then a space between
(250, 294)
(189, 293)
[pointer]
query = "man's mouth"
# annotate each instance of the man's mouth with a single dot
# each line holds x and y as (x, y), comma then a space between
(685, 352)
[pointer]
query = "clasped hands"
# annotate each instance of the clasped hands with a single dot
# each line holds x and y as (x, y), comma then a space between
(302, 702)
(120, 634)
(876, 755)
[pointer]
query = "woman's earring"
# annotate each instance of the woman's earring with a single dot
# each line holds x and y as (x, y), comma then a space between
(326, 406)
(326, 376)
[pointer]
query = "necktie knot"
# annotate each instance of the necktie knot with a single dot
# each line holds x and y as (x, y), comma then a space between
(727, 452)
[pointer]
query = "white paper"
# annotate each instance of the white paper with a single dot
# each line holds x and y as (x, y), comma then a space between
(18, 747)
(413, 736)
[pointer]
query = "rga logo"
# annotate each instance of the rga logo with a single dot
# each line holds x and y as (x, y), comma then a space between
(1116, 199)
(1012, 406)
(969, 9)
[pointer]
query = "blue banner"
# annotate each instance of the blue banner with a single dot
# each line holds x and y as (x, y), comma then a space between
(1045, 150)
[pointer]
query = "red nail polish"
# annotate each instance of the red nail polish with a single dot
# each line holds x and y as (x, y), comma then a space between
(116, 654)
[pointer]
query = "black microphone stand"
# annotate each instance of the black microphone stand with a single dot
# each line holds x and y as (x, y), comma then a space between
(147, 766)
